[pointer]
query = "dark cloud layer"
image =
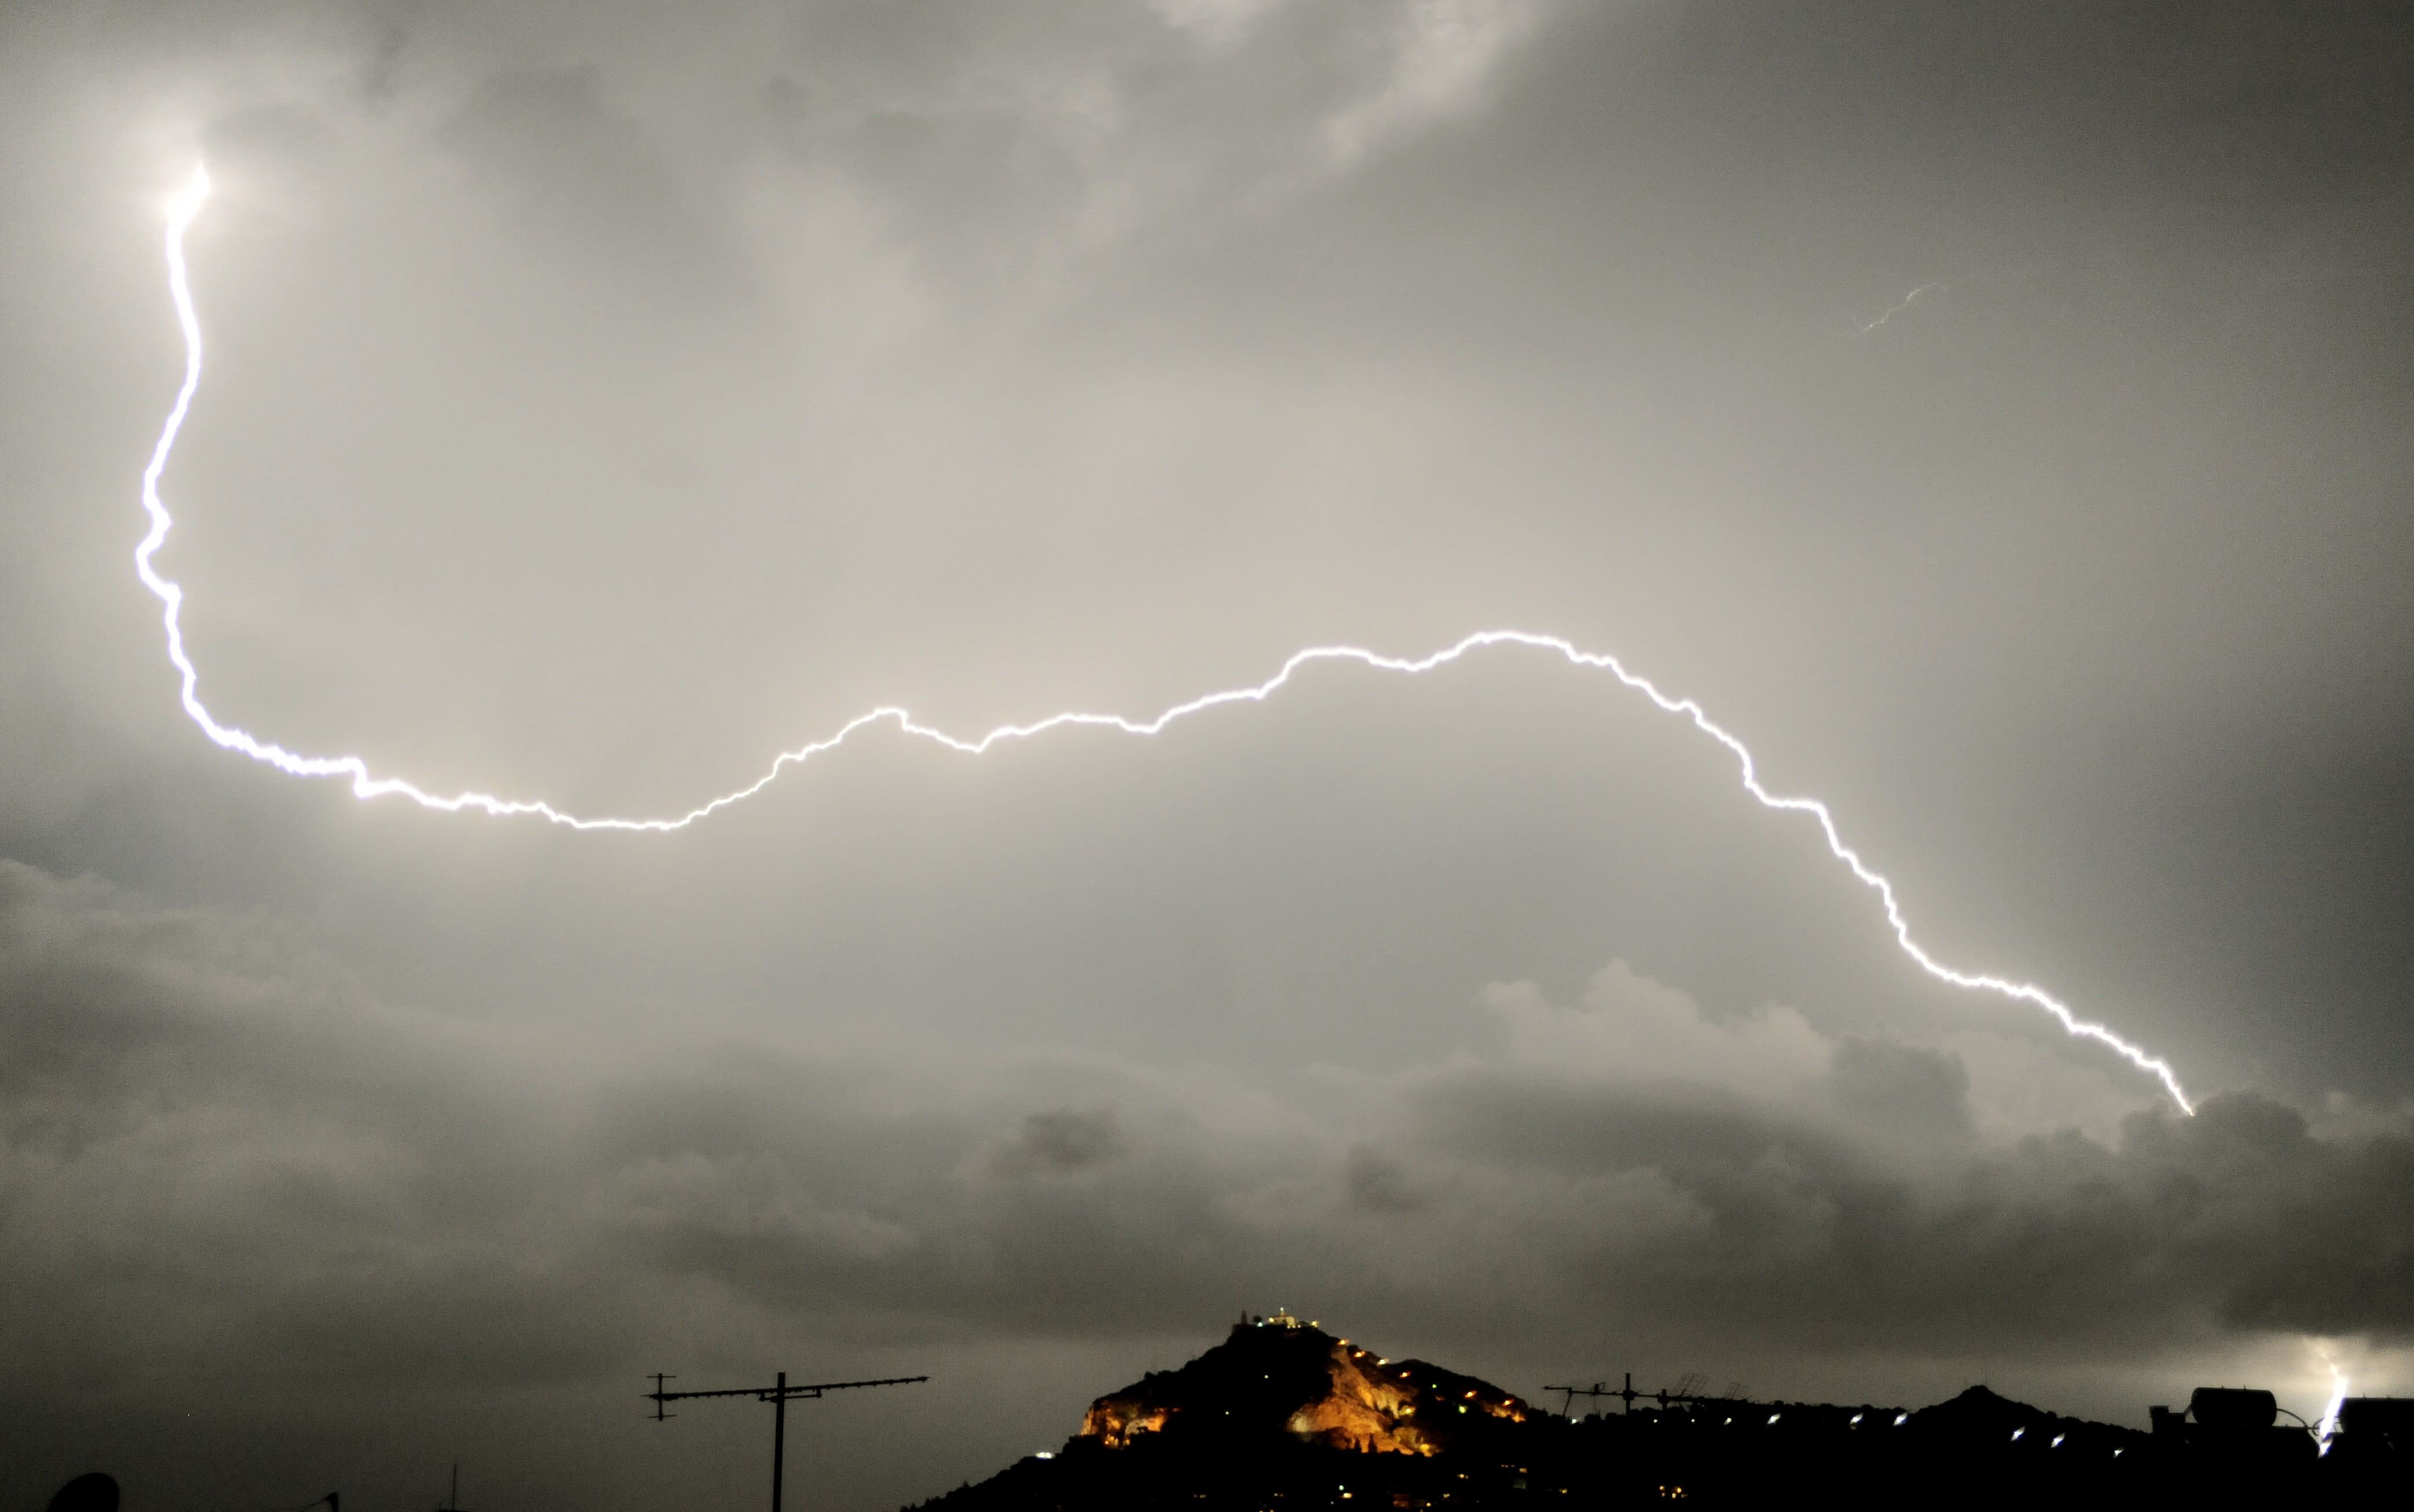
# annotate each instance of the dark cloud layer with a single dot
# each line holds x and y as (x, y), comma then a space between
(1997, 412)
(227, 1160)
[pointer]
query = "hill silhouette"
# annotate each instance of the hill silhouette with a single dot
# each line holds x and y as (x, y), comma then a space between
(1284, 1415)
(1280, 1378)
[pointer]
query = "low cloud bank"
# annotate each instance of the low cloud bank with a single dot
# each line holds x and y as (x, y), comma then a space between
(219, 1147)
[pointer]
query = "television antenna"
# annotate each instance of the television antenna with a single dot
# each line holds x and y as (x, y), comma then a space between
(1569, 1395)
(778, 1395)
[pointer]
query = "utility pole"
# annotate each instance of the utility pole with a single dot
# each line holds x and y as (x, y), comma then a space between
(777, 1395)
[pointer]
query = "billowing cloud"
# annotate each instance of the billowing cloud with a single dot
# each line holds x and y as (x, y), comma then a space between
(223, 1145)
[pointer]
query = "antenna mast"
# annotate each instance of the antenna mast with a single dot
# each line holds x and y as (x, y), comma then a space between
(1569, 1395)
(777, 1395)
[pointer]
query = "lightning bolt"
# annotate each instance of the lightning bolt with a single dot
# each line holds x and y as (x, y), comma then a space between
(1905, 303)
(2328, 1428)
(186, 205)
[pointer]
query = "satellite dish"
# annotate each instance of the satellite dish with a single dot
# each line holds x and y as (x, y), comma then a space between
(95, 1492)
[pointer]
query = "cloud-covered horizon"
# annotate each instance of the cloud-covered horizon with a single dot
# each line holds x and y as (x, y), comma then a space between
(226, 1154)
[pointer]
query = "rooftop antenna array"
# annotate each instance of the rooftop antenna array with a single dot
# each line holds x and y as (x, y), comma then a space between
(1596, 1392)
(778, 1396)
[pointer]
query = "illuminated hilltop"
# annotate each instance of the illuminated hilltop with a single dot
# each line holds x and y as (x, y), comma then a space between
(1321, 1390)
(1282, 1417)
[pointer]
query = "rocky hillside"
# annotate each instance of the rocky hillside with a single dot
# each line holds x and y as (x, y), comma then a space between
(1279, 1375)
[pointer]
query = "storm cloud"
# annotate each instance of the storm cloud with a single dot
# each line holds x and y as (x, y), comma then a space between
(225, 1159)
(1997, 414)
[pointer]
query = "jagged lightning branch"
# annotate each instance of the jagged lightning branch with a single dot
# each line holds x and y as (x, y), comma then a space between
(186, 205)
(1905, 303)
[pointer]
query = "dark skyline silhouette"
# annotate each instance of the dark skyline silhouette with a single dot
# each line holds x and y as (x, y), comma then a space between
(1283, 1414)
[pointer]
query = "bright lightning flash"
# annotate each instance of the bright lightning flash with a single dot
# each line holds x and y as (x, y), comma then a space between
(186, 205)
(2328, 1428)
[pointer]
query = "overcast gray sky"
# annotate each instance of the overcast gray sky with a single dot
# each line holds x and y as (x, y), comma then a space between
(1998, 415)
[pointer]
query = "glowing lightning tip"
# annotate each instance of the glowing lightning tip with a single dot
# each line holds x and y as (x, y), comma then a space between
(187, 203)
